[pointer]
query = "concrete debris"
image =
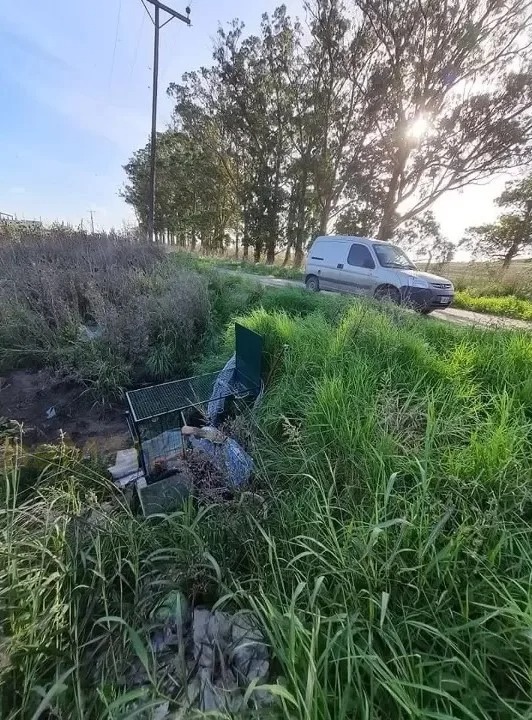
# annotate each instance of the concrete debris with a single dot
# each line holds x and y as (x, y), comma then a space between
(126, 463)
(206, 659)
(250, 654)
(126, 469)
(161, 712)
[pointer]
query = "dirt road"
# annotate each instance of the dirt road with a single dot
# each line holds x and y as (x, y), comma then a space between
(455, 315)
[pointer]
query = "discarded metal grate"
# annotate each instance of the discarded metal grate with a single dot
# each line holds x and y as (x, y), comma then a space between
(157, 400)
(160, 410)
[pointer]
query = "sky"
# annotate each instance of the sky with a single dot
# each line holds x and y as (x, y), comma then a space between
(75, 102)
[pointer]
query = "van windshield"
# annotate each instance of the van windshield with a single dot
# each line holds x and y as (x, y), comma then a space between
(393, 257)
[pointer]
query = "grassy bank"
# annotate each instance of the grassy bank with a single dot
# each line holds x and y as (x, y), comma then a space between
(276, 270)
(478, 288)
(389, 562)
(104, 311)
(505, 305)
(109, 312)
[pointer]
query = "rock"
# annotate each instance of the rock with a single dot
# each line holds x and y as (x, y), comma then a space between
(263, 698)
(219, 628)
(203, 649)
(219, 655)
(161, 712)
(173, 613)
(208, 697)
(250, 656)
(192, 691)
(87, 333)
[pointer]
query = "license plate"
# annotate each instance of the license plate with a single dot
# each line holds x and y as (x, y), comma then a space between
(445, 300)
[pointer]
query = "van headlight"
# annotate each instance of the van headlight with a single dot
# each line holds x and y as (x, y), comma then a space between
(419, 283)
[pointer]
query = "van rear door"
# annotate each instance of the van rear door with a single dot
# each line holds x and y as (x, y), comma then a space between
(324, 260)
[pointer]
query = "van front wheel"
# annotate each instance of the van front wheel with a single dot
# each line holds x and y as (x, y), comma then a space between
(312, 283)
(389, 294)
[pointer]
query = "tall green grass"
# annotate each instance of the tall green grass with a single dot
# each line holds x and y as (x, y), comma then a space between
(397, 577)
(505, 305)
(480, 288)
(390, 563)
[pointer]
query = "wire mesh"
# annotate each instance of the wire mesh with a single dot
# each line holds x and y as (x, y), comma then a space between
(177, 395)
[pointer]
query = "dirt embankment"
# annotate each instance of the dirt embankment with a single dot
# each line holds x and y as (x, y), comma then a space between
(46, 405)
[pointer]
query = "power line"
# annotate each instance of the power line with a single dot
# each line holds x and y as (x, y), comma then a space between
(141, 27)
(116, 41)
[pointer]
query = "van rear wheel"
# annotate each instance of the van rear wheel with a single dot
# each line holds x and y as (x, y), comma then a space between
(312, 283)
(388, 293)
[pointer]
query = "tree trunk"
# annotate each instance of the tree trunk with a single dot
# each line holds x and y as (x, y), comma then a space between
(512, 252)
(388, 221)
(298, 254)
(324, 217)
(193, 241)
(301, 220)
(387, 224)
(257, 251)
(236, 243)
(245, 236)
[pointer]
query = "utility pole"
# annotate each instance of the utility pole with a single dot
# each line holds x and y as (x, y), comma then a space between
(153, 147)
(91, 213)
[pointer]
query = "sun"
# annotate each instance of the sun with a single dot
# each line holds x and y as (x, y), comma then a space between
(418, 127)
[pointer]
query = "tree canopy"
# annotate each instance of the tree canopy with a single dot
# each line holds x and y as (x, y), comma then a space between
(363, 121)
(511, 233)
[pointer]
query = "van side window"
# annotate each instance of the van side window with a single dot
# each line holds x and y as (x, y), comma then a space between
(360, 256)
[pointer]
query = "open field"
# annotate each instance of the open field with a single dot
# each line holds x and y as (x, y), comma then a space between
(388, 561)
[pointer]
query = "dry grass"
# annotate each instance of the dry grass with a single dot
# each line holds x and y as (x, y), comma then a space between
(106, 310)
(488, 279)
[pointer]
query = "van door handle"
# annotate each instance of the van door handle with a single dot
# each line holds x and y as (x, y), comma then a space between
(340, 266)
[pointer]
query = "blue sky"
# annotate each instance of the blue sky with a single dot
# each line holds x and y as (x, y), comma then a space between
(75, 81)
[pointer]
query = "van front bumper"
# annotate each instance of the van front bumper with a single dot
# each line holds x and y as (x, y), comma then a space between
(426, 298)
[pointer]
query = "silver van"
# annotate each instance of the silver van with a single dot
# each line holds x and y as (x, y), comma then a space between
(373, 268)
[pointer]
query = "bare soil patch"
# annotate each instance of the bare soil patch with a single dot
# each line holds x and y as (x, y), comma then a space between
(46, 405)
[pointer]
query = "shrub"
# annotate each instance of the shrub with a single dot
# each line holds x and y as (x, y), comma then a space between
(106, 310)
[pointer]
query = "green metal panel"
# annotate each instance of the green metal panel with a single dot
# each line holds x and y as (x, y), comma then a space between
(248, 347)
